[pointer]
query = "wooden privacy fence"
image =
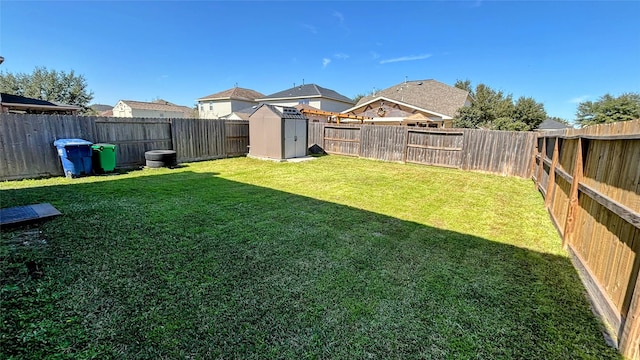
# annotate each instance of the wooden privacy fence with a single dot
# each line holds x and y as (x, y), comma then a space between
(590, 179)
(26, 140)
(498, 152)
(132, 137)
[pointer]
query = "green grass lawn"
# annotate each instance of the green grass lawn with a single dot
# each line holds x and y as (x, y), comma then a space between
(332, 258)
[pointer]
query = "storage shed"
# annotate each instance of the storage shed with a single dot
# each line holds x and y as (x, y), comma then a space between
(277, 132)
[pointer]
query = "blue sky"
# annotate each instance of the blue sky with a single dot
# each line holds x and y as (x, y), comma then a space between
(559, 53)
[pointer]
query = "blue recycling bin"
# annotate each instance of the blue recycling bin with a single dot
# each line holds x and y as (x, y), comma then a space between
(75, 155)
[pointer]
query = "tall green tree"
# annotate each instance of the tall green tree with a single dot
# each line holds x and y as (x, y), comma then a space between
(50, 85)
(362, 95)
(529, 112)
(464, 85)
(609, 109)
(493, 109)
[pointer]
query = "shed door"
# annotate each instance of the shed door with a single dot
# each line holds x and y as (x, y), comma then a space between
(289, 138)
(301, 138)
(295, 138)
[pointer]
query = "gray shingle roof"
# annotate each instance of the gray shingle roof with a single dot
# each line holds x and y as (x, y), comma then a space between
(17, 99)
(430, 95)
(247, 110)
(236, 93)
(244, 113)
(307, 91)
(101, 107)
(550, 124)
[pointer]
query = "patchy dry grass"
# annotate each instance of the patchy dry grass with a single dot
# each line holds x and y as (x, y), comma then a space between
(332, 258)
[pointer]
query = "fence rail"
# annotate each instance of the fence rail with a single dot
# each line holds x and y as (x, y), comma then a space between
(26, 140)
(590, 179)
(498, 152)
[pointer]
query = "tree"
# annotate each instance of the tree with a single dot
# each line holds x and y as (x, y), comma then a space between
(609, 109)
(49, 85)
(529, 112)
(359, 96)
(494, 110)
(488, 106)
(464, 85)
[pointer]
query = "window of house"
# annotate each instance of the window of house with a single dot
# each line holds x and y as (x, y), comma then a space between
(303, 102)
(210, 106)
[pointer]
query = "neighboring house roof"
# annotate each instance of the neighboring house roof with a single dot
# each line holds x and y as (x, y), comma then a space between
(106, 113)
(307, 91)
(550, 124)
(236, 93)
(284, 112)
(429, 95)
(242, 114)
(158, 105)
(22, 102)
(248, 110)
(101, 107)
(237, 116)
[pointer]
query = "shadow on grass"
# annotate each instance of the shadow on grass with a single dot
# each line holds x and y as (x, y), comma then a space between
(190, 265)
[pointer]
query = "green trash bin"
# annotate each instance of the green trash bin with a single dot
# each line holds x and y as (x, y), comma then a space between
(104, 157)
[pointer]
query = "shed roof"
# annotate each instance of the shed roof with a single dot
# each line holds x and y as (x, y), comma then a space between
(308, 91)
(430, 95)
(236, 93)
(284, 112)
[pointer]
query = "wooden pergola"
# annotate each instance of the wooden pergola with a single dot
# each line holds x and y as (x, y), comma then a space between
(335, 115)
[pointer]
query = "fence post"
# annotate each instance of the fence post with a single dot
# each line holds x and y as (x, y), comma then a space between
(532, 167)
(323, 144)
(552, 174)
(360, 143)
(224, 137)
(406, 144)
(543, 154)
(570, 222)
(171, 134)
(630, 337)
(464, 157)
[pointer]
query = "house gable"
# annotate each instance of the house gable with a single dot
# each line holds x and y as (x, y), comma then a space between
(426, 95)
(225, 103)
(384, 107)
(236, 93)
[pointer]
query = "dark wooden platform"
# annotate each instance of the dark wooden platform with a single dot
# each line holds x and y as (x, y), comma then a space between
(20, 215)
